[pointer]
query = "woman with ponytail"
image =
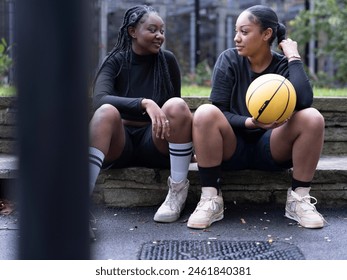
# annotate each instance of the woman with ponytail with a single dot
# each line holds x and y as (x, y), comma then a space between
(140, 118)
(237, 141)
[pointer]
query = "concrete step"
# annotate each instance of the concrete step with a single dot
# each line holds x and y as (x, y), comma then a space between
(136, 186)
(147, 187)
(8, 166)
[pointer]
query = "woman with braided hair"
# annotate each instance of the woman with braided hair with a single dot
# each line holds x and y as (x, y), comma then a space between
(140, 118)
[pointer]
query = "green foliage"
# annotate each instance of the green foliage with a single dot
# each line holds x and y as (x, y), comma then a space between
(202, 76)
(205, 91)
(5, 60)
(329, 92)
(7, 91)
(194, 90)
(326, 25)
(318, 91)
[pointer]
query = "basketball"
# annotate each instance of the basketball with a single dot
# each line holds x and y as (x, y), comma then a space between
(270, 98)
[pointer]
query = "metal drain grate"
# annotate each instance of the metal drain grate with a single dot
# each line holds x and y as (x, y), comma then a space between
(219, 250)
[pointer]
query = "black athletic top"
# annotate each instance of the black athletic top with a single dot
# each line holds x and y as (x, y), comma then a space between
(125, 87)
(232, 75)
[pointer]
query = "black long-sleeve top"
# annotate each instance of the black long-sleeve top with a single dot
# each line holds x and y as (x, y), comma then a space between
(124, 87)
(232, 75)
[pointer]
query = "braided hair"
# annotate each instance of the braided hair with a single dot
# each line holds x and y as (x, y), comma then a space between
(163, 87)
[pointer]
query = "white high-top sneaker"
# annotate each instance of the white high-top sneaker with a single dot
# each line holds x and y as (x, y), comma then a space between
(174, 203)
(210, 209)
(300, 208)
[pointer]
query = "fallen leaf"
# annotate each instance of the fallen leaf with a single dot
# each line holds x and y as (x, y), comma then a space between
(6, 207)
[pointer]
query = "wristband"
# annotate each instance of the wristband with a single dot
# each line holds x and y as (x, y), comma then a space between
(294, 56)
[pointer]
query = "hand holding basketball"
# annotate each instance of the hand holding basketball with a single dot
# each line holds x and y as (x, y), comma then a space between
(271, 98)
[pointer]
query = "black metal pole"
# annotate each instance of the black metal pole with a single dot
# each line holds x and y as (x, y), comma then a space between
(307, 48)
(197, 32)
(52, 48)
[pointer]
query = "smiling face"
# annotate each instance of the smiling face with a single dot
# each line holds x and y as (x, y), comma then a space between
(250, 40)
(148, 35)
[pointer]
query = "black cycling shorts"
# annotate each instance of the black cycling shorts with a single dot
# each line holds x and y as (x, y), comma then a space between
(254, 155)
(139, 150)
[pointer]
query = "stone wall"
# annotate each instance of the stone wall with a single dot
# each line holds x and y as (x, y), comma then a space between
(7, 125)
(131, 187)
(334, 109)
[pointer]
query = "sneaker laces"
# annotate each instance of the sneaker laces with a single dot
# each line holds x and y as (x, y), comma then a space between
(172, 200)
(306, 204)
(207, 203)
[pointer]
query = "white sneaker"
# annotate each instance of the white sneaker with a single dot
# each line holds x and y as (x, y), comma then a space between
(174, 203)
(210, 209)
(300, 208)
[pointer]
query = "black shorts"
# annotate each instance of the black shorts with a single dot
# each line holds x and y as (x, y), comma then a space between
(139, 150)
(254, 155)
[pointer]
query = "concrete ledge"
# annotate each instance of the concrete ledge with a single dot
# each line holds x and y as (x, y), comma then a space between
(8, 166)
(147, 187)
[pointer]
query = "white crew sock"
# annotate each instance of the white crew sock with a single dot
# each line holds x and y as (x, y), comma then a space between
(180, 157)
(96, 157)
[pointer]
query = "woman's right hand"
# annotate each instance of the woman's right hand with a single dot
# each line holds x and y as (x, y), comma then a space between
(160, 123)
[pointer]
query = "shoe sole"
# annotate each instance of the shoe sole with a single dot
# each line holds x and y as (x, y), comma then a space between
(203, 226)
(295, 218)
(165, 219)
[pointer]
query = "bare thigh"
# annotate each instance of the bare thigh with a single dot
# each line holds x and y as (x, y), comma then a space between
(107, 132)
(214, 140)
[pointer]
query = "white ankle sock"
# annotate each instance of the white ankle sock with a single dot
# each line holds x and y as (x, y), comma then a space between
(96, 157)
(180, 157)
(209, 191)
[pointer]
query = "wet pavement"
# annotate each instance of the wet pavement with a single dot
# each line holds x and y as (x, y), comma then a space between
(121, 232)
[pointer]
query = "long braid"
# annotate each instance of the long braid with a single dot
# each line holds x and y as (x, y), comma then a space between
(131, 18)
(163, 88)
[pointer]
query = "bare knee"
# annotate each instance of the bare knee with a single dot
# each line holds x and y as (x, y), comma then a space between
(105, 120)
(177, 108)
(106, 114)
(205, 116)
(311, 119)
(180, 119)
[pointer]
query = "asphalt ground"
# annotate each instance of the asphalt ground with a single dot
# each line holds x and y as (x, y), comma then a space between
(121, 232)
